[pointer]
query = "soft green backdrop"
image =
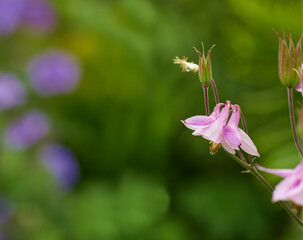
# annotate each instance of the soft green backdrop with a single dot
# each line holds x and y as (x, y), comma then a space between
(144, 176)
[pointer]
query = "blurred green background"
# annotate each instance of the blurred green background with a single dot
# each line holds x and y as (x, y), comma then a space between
(143, 175)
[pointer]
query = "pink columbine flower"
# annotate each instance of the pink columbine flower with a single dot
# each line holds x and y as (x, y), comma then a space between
(299, 88)
(291, 188)
(216, 129)
(300, 74)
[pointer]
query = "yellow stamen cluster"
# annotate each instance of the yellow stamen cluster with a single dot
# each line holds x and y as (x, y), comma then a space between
(186, 66)
(214, 147)
(182, 62)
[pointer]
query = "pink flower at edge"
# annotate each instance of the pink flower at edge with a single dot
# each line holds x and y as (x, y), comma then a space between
(300, 73)
(214, 128)
(291, 188)
(299, 88)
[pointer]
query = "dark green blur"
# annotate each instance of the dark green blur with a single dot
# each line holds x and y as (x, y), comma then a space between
(144, 176)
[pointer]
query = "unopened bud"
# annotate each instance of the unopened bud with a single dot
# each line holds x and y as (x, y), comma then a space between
(290, 60)
(205, 70)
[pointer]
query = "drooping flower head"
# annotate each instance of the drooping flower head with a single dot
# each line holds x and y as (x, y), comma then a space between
(10, 15)
(12, 92)
(62, 163)
(291, 188)
(216, 129)
(54, 72)
(27, 130)
(39, 15)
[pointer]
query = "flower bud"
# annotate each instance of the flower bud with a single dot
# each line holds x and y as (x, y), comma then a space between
(290, 59)
(205, 71)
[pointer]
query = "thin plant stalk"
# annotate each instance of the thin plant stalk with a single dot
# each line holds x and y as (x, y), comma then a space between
(292, 119)
(205, 91)
(213, 84)
(245, 130)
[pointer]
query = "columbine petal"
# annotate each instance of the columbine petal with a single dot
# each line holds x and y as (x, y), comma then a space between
(231, 132)
(290, 188)
(228, 147)
(231, 135)
(280, 172)
(247, 144)
(299, 87)
(196, 122)
(214, 131)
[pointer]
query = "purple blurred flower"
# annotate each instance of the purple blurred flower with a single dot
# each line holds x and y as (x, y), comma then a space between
(39, 15)
(54, 72)
(6, 210)
(10, 15)
(27, 130)
(3, 236)
(62, 164)
(11, 91)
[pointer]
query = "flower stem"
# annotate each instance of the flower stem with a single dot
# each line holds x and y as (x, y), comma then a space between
(213, 84)
(254, 171)
(243, 123)
(205, 91)
(292, 119)
(245, 130)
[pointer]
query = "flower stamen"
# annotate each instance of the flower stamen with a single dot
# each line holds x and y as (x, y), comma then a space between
(214, 147)
(186, 66)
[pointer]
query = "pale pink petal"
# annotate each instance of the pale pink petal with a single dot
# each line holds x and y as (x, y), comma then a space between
(291, 188)
(232, 135)
(228, 147)
(247, 144)
(299, 87)
(280, 172)
(213, 132)
(196, 122)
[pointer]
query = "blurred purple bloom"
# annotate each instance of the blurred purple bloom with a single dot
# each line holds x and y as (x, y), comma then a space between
(54, 72)
(11, 91)
(62, 164)
(27, 130)
(10, 15)
(3, 236)
(6, 210)
(39, 15)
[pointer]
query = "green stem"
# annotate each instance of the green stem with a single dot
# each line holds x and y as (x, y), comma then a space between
(205, 91)
(254, 171)
(213, 84)
(292, 119)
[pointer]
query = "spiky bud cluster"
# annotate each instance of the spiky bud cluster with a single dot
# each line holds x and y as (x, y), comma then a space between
(290, 60)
